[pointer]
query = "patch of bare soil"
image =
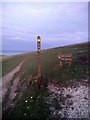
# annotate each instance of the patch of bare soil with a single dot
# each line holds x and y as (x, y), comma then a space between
(7, 78)
(11, 102)
(13, 91)
(69, 101)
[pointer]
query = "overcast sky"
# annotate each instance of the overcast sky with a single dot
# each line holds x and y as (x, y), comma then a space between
(57, 23)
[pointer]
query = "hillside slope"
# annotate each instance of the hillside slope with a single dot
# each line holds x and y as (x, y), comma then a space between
(50, 62)
(33, 104)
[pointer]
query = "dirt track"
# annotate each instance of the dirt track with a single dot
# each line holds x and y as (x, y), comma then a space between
(8, 77)
(13, 89)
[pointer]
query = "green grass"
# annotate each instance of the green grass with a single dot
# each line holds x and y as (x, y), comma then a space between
(51, 70)
(35, 108)
(50, 64)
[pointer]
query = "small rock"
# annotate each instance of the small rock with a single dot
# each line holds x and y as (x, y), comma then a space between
(72, 108)
(68, 96)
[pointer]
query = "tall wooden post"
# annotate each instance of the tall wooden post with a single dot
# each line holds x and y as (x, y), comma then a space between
(39, 55)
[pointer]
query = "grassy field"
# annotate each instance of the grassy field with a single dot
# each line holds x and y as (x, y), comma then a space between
(35, 107)
(50, 63)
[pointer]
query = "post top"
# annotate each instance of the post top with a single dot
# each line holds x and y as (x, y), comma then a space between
(38, 37)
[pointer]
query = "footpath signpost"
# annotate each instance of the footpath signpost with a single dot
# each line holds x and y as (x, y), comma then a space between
(39, 55)
(38, 77)
(65, 58)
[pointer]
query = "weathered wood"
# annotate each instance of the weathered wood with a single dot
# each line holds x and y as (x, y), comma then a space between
(65, 57)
